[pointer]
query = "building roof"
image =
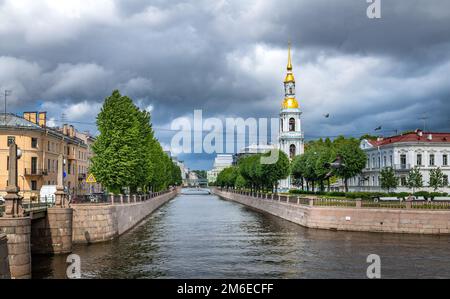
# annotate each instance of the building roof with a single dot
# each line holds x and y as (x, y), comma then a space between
(419, 136)
(14, 121)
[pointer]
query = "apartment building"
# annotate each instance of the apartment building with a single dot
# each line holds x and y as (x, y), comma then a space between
(41, 147)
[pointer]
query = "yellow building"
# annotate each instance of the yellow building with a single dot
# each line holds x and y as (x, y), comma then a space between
(41, 147)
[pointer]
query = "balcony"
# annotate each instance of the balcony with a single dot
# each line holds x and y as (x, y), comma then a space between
(403, 167)
(35, 172)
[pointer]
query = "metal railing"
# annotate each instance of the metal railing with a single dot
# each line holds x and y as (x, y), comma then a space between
(345, 202)
(35, 171)
(112, 199)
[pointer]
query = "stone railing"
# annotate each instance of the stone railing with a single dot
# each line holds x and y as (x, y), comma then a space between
(343, 202)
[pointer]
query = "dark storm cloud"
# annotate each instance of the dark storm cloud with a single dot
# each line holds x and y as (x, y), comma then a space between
(228, 58)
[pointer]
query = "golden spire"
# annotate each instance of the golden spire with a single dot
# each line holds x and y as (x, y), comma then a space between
(289, 66)
(290, 102)
(290, 75)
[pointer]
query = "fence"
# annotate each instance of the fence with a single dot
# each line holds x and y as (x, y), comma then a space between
(116, 198)
(344, 202)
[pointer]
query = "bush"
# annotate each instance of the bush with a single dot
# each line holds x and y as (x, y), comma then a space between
(425, 194)
(403, 195)
(437, 194)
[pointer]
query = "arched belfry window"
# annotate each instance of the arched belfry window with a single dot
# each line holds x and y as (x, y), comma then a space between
(292, 125)
(282, 129)
(292, 151)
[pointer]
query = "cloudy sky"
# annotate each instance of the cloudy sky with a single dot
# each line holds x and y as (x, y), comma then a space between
(228, 58)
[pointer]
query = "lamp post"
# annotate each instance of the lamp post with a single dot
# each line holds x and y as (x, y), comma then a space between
(13, 201)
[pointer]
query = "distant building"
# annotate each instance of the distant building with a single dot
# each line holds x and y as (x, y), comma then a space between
(41, 147)
(220, 163)
(426, 151)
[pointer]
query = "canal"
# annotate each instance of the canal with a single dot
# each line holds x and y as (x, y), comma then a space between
(203, 236)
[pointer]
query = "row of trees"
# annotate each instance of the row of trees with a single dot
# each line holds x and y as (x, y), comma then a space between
(127, 154)
(388, 179)
(251, 172)
(311, 170)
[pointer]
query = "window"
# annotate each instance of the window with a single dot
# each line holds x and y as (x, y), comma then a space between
(69, 168)
(292, 151)
(419, 160)
(11, 140)
(432, 161)
(292, 125)
(33, 165)
(34, 142)
(48, 146)
(403, 161)
(7, 163)
(48, 164)
(385, 161)
(34, 185)
(445, 160)
(445, 180)
(391, 158)
(282, 129)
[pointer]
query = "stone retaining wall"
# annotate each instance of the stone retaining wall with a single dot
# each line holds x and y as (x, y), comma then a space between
(104, 222)
(351, 219)
(52, 234)
(18, 231)
(4, 264)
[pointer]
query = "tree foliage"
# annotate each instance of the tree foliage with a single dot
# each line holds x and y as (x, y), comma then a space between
(436, 178)
(415, 179)
(126, 153)
(311, 167)
(388, 179)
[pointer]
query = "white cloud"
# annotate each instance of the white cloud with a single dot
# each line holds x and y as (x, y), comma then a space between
(42, 22)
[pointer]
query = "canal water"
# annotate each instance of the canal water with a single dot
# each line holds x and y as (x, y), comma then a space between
(204, 236)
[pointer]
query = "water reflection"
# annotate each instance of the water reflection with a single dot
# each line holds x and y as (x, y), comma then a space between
(197, 236)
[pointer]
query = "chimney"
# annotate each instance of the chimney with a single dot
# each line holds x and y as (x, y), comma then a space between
(66, 129)
(430, 137)
(43, 119)
(380, 139)
(31, 117)
(71, 131)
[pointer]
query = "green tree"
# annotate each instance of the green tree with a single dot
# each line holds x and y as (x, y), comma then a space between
(415, 179)
(271, 174)
(353, 158)
(241, 183)
(116, 149)
(436, 179)
(388, 179)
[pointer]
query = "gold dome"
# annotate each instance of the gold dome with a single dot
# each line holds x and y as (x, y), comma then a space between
(289, 78)
(290, 103)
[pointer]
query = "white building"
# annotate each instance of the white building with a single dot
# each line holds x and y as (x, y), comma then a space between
(220, 163)
(291, 138)
(403, 153)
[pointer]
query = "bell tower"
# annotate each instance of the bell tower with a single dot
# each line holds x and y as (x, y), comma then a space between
(291, 139)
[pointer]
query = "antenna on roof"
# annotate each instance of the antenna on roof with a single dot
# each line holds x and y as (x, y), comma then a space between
(424, 118)
(7, 94)
(63, 118)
